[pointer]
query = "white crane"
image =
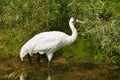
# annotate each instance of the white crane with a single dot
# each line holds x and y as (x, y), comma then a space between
(49, 42)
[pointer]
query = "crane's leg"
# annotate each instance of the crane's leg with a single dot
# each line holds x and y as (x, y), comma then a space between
(49, 56)
(29, 58)
(48, 67)
(38, 58)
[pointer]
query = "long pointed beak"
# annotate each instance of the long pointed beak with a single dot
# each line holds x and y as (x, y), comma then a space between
(79, 21)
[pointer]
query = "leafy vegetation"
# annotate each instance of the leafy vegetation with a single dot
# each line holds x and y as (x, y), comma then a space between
(98, 40)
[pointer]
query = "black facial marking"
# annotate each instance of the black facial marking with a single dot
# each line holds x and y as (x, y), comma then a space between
(74, 20)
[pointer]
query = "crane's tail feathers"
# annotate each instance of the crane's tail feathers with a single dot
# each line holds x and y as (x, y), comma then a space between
(21, 59)
(21, 56)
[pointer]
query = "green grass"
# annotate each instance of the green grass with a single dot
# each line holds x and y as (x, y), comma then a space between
(98, 39)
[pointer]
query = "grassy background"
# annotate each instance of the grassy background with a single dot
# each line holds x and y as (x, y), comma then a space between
(98, 40)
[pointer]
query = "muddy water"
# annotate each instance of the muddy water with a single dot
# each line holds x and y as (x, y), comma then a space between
(61, 69)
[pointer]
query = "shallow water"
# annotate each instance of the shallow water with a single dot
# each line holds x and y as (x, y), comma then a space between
(59, 71)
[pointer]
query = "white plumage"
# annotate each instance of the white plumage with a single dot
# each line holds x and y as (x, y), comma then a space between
(48, 42)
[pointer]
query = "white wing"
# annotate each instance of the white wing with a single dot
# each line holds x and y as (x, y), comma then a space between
(50, 41)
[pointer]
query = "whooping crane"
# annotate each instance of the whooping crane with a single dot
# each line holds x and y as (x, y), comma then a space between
(49, 42)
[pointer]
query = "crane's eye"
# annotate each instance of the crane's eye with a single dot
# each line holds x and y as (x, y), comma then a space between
(74, 20)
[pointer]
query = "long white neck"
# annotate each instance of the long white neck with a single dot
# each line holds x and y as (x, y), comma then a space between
(74, 35)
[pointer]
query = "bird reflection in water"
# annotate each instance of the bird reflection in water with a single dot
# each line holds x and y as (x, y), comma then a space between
(23, 77)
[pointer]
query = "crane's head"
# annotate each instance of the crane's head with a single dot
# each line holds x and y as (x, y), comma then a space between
(75, 20)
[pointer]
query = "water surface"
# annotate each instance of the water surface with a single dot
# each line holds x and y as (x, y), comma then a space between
(61, 69)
